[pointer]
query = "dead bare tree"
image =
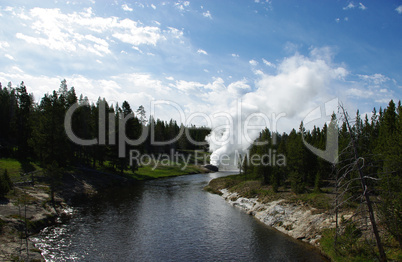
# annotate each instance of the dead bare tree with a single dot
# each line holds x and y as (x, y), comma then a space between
(346, 182)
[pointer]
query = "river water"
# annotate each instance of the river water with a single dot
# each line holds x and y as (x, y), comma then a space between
(169, 219)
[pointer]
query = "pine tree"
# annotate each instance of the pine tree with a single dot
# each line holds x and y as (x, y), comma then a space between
(389, 150)
(141, 115)
(295, 150)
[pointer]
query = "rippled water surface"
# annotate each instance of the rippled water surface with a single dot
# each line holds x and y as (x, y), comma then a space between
(170, 219)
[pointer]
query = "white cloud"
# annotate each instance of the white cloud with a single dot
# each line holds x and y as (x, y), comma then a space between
(235, 55)
(253, 62)
(268, 63)
(258, 72)
(170, 78)
(125, 7)
(187, 86)
(337, 20)
(375, 88)
(153, 6)
(291, 47)
(349, 6)
(75, 32)
(374, 80)
(384, 100)
(399, 9)
(182, 5)
(362, 7)
(352, 6)
(142, 82)
(200, 51)
(17, 69)
(239, 87)
(207, 14)
(359, 93)
(132, 34)
(176, 33)
(23, 16)
(4, 45)
(299, 82)
(9, 56)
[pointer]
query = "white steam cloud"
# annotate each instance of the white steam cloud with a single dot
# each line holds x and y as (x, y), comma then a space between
(278, 101)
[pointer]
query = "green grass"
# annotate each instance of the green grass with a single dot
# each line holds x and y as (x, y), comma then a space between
(244, 186)
(223, 182)
(148, 172)
(320, 201)
(251, 187)
(16, 167)
(357, 249)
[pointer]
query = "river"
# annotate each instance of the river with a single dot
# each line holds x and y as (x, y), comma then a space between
(170, 219)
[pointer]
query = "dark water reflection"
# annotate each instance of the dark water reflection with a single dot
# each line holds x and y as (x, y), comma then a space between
(167, 220)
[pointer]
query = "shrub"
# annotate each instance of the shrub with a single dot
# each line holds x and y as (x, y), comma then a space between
(5, 184)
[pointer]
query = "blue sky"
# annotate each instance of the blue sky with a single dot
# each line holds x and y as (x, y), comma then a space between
(276, 56)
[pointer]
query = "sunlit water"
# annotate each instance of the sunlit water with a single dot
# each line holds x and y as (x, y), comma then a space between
(167, 220)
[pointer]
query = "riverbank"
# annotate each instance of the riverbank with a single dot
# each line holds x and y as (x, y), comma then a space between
(301, 217)
(309, 217)
(296, 220)
(28, 208)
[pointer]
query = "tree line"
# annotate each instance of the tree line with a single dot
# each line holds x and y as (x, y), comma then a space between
(36, 130)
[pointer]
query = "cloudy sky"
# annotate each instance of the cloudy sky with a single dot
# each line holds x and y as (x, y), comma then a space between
(205, 56)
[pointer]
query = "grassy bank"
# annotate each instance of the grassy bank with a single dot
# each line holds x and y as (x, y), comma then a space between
(16, 168)
(148, 172)
(251, 188)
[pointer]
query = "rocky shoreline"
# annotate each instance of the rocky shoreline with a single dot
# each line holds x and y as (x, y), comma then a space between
(296, 220)
(24, 216)
(29, 209)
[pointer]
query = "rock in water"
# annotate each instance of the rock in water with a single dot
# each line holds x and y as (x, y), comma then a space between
(212, 168)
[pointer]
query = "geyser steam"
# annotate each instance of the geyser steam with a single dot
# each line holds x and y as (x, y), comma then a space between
(278, 102)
